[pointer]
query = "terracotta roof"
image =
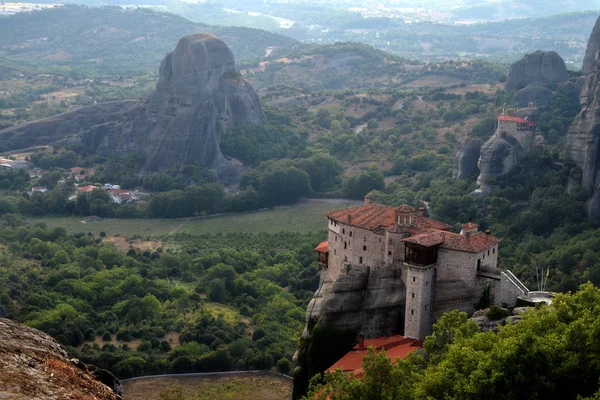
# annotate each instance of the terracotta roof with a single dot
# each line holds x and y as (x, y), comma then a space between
(473, 243)
(86, 189)
(515, 119)
(373, 216)
(405, 208)
(323, 247)
(470, 225)
(396, 346)
(427, 239)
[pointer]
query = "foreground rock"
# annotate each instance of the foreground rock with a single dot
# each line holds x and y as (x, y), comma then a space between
(583, 138)
(539, 67)
(199, 96)
(34, 366)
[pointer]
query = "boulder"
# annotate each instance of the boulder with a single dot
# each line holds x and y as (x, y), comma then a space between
(539, 67)
(199, 95)
(593, 47)
(498, 156)
(465, 161)
(35, 366)
(533, 93)
(583, 137)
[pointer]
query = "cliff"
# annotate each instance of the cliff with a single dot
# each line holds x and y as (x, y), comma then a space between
(539, 67)
(592, 48)
(465, 161)
(498, 156)
(583, 137)
(34, 366)
(199, 95)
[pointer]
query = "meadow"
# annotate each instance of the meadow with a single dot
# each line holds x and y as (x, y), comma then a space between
(228, 387)
(302, 218)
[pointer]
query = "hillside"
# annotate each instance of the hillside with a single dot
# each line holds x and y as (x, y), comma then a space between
(111, 40)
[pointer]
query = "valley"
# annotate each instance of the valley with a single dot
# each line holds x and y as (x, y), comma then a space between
(180, 196)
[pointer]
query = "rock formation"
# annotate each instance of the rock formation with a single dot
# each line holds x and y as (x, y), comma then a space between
(583, 138)
(199, 95)
(498, 156)
(534, 93)
(465, 161)
(539, 67)
(592, 48)
(34, 366)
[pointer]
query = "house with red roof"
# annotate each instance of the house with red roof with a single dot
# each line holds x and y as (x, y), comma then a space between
(440, 270)
(395, 346)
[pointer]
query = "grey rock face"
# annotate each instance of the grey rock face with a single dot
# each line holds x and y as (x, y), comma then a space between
(539, 67)
(592, 48)
(533, 93)
(199, 95)
(498, 156)
(371, 302)
(465, 161)
(583, 138)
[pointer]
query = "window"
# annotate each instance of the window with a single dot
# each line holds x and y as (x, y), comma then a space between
(414, 279)
(413, 295)
(334, 251)
(345, 245)
(350, 233)
(379, 240)
(345, 258)
(364, 248)
(484, 256)
(412, 312)
(336, 238)
(494, 250)
(389, 253)
(488, 252)
(425, 308)
(365, 239)
(343, 231)
(360, 260)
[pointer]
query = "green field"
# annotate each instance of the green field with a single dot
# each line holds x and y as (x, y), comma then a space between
(306, 217)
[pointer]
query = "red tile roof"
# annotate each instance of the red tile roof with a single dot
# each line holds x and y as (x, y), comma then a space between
(373, 215)
(519, 120)
(470, 225)
(396, 346)
(86, 189)
(473, 243)
(427, 239)
(323, 247)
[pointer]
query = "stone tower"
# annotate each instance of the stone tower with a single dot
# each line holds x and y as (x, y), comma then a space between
(420, 268)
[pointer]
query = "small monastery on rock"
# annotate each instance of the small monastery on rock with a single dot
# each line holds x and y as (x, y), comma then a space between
(388, 270)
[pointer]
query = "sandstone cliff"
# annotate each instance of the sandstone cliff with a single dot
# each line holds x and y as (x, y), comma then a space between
(199, 95)
(465, 161)
(539, 67)
(583, 138)
(34, 366)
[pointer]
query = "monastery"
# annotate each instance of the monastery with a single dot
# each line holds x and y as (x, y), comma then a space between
(432, 270)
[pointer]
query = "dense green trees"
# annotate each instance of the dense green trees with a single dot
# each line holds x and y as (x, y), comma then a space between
(181, 306)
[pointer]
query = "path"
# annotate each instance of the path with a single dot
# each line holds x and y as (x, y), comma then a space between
(178, 227)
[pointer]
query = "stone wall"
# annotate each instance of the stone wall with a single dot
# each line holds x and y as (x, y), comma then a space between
(420, 284)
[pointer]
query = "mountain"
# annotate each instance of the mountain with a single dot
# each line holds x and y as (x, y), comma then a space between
(112, 40)
(199, 95)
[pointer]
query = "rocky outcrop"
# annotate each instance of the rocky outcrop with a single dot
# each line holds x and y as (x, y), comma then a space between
(592, 48)
(583, 137)
(465, 160)
(489, 320)
(364, 300)
(199, 95)
(34, 366)
(539, 67)
(498, 156)
(534, 93)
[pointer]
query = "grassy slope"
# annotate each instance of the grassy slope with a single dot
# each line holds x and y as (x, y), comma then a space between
(307, 217)
(241, 387)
